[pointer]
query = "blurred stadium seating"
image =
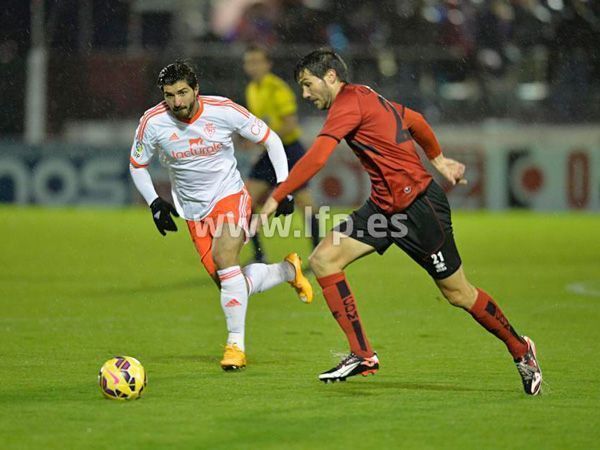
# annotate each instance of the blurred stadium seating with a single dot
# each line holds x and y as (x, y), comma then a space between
(467, 62)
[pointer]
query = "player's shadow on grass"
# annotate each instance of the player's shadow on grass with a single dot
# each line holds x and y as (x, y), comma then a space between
(83, 392)
(111, 291)
(365, 389)
(211, 359)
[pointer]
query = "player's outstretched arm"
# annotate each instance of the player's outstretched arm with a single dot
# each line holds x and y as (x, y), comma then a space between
(422, 133)
(307, 167)
(277, 156)
(453, 171)
(143, 183)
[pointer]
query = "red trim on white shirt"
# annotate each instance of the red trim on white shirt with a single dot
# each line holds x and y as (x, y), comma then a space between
(158, 109)
(230, 104)
(136, 164)
(266, 136)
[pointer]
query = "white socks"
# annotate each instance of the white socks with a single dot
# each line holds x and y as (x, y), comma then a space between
(234, 301)
(235, 293)
(262, 277)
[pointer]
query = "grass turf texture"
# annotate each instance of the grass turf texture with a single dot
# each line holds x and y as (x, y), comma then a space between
(79, 286)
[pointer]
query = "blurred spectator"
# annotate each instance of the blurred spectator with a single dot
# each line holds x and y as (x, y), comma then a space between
(300, 24)
(456, 36)
(493, 32)
(258, 24)
(530, 25)
(466, 59)
(409, 25)
(574, 51)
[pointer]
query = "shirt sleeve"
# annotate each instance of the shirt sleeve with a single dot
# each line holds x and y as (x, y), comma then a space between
(307, 166)
(277, 155)
(144, 145)
(344, 117)
(143, 182)
(247, 124)
(422, 133)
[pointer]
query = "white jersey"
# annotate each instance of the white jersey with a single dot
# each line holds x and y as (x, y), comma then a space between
(198, 153)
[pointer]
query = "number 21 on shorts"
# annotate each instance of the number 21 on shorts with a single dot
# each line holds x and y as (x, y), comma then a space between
(438, 262)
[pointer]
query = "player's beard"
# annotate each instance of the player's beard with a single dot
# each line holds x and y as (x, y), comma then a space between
(318, 102)
(185, 112)
(323, 101)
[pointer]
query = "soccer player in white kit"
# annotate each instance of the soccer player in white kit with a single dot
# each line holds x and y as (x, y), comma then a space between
(192, 135)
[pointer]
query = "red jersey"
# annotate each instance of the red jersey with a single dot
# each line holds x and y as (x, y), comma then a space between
(380, 133)
(377, 133)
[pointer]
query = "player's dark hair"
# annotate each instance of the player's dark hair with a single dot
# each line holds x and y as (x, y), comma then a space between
(254, 47)
(318, 62)
(178, 71)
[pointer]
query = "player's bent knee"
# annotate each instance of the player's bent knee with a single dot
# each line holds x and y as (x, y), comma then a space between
(225, 257)
(322, 260)
(223, 261)
(315, 262)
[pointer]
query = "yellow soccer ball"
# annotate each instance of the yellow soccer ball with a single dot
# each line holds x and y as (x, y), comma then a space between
(122, 378)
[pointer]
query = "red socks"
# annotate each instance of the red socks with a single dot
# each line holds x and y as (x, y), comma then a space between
(341, 303)
(343, 307)
(490, 316)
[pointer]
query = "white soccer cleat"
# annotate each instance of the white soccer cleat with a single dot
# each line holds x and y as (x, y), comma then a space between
(530, 370)
(349, 366)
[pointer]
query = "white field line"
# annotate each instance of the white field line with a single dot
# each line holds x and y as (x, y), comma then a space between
(587, 288)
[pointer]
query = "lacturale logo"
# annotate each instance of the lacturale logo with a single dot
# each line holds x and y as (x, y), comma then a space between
(197, 149)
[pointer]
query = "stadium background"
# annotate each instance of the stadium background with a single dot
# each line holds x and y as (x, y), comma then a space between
(512, 87)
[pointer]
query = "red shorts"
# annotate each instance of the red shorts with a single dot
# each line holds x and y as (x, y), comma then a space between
(235, 209)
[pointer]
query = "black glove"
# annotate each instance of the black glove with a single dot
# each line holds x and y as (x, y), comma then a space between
(161, 213)
(285, 207)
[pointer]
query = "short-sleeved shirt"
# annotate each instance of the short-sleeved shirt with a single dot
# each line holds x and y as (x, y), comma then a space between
(198, 153)
(272, 99)
(373, 128)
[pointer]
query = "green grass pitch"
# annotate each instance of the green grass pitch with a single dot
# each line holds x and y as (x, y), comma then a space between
(79, 286)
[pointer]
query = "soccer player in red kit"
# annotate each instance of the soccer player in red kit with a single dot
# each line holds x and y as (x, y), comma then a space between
(406, 208)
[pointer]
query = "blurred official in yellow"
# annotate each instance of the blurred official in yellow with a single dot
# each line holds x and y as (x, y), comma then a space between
(271, 99)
